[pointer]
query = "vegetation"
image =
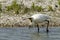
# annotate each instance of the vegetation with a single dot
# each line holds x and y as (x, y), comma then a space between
(26, 10)
(36, 8)
(20, 8)
(17, 7)
(0, 7)
(39, 8)
(50, 8)
(33, 7)
(14, 6)
(59, 2)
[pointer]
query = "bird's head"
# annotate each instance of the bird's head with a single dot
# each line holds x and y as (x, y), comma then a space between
(30, 19)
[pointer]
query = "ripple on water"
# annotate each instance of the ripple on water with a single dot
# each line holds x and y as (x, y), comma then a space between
(24, 33)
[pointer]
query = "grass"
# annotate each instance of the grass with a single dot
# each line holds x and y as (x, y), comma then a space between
(17, 8)
(0, 7)
(33, 7)
(14, 6)
(26, 10)
(59, 2)
(39, 8)
(50, 8)
(36, 8)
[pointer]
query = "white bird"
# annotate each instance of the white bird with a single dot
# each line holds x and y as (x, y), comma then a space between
(39, 18)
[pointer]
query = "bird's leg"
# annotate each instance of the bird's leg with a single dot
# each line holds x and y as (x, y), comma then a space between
(38, 27)
(29, 26)
(47, 26)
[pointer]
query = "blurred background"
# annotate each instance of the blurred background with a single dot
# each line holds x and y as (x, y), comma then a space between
(15, 12)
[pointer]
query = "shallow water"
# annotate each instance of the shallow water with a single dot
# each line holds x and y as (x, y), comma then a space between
(24, 33)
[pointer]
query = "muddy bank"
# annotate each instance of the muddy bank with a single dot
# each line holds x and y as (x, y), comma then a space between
(21, 21)
(13, 20)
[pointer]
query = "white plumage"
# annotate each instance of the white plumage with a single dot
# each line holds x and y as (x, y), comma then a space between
(39, 18)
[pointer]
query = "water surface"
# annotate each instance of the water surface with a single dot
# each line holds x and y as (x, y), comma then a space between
(24, 33)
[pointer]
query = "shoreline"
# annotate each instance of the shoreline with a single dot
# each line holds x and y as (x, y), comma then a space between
(21, 21)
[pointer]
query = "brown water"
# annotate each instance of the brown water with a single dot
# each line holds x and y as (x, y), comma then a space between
(24, 33)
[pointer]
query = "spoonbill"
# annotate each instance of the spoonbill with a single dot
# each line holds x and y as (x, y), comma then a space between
(39, 18)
